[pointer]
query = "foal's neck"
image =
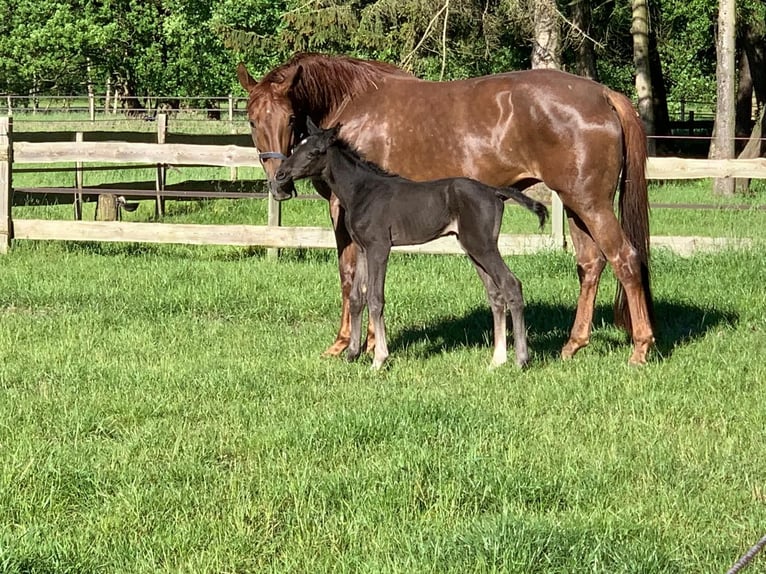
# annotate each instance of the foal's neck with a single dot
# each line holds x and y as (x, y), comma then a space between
(346, 175)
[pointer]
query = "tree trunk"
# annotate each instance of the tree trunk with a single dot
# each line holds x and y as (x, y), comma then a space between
(640, 31)
(754, 45)
(723, 139)
(586, 54)
(546, 48)
(744, 108)
(546, 53)
(659, 93)
(755, 148)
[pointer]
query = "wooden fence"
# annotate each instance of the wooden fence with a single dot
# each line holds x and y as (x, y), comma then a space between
(271, 235)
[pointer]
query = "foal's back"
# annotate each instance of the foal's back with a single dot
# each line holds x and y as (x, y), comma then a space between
(418, 212)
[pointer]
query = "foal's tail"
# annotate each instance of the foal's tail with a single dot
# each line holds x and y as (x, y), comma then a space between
(505, 193)
(633, 202)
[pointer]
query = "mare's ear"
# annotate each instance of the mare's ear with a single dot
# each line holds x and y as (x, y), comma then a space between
(245, 79)
(312, 127)
(285, 81)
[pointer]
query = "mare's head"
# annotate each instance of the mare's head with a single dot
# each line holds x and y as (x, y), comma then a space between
(309, 158)
(308, 85)
(272, 117)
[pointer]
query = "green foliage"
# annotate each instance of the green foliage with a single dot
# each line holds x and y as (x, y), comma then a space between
(191, 47)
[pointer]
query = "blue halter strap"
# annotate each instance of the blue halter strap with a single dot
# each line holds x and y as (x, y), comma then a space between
(271, 155)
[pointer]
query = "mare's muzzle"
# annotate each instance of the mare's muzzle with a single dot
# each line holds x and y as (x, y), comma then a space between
(281, 186)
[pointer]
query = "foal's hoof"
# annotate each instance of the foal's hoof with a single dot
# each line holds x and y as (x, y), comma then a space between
(352, 356)
(493, 364)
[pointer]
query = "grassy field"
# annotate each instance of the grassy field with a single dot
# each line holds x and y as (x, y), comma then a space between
(165, 409)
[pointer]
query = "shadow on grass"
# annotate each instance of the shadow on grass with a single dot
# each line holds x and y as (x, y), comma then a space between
(548, 328)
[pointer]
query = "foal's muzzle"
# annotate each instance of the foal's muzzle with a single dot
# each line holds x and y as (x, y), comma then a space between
(281, 186)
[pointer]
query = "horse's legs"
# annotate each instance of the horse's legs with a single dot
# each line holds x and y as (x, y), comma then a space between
(590, 264)
(377, 261)
(487, 259)
(606, 232)
(497, 304)
(356, 306)
(347, 258)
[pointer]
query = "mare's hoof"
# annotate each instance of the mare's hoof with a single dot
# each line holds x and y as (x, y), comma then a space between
(570, 349)
(336, 348)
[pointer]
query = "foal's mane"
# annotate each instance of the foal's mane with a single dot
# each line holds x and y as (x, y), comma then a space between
(326, 81)
(356, 157)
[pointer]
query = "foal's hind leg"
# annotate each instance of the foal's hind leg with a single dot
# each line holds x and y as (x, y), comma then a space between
(503, 289)
(590, 265)
(497, 305)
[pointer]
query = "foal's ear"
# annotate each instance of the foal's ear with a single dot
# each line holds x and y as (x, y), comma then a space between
(312, 127)
(335, 131)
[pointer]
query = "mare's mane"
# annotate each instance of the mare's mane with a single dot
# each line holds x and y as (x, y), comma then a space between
(326, 81)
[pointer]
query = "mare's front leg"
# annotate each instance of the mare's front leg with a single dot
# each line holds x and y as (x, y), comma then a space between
(347, 259)
(377, 261)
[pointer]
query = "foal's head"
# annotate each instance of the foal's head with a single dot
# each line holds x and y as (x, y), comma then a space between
(309, 158)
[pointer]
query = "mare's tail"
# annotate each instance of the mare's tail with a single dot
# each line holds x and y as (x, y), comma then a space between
(633, 202)
(505, 193)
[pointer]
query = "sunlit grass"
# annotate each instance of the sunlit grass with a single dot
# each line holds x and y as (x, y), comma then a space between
(165, 409)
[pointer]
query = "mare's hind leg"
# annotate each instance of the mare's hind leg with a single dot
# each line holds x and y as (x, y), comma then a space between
(608, 235)
(347, 259)
(590, 265)
(356, 306)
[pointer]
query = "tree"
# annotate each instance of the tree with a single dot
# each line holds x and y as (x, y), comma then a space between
(640, 31)
(546, 44)
(586, 53)
(723, 136)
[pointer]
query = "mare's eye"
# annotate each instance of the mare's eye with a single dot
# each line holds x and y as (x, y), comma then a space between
(291, 120)
(252, 124)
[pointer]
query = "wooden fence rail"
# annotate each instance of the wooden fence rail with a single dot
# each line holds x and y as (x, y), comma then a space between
(273, 236)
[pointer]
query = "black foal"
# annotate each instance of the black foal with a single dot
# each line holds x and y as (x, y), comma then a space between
(383, 210)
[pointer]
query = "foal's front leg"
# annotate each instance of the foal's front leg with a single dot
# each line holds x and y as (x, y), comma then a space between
(347, 258)
(356, 306)
(377, 261)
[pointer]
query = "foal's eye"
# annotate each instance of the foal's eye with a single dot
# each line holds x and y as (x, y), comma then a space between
(291, 120)
(252, 124)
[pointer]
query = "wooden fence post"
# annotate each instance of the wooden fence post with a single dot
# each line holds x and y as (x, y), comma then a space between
(274, 220)
(233, 170)
(78, 182)
(6, 183)
(557, 221)
(162, 131)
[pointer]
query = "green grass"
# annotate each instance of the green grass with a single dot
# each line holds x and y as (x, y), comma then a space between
(165, 409)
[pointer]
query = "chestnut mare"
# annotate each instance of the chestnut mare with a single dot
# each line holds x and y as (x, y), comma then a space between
(583, 140)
